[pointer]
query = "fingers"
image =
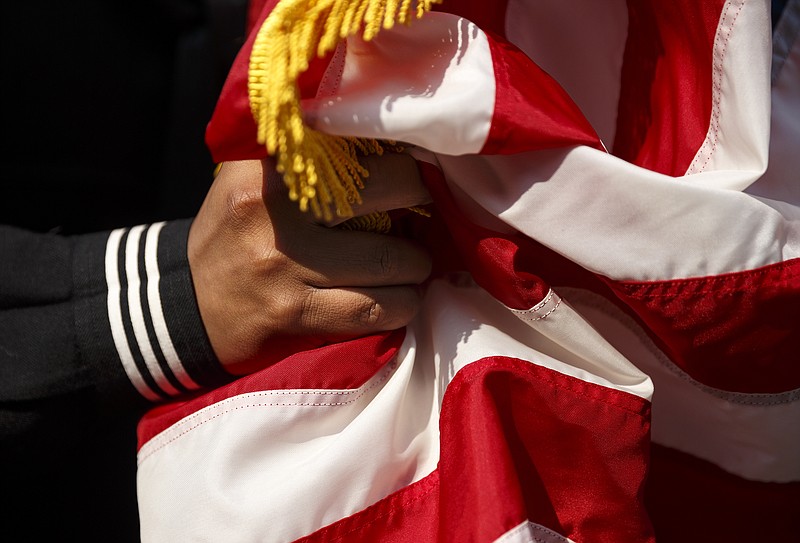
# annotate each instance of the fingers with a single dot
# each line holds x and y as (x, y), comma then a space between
(337, 258)
(332, 257)
(354, 312)
(393, 183)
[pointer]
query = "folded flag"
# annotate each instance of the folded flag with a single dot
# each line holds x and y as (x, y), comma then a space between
(608, 349)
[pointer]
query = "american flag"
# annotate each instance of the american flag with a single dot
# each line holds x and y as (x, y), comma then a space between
(608, 349)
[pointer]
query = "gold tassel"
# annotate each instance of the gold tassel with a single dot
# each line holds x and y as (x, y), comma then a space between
(378, 221)
(320, 170)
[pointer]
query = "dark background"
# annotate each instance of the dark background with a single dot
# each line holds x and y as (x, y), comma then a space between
(104, 108)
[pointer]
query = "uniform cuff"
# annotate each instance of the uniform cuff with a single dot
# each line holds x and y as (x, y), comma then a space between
(137, 319)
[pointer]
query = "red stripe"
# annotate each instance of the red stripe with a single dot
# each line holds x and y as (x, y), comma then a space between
(532, 111)
(521, 442)
(344, 365)
(736, 332)
(495, 260)
(255, 9)
(407, 516)
(665, 100)
(231, 133)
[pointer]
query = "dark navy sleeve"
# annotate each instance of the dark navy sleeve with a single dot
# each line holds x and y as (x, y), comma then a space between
(111, 315)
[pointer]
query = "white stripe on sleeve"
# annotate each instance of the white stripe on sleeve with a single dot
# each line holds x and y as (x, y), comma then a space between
(157, 311)
(137, 315)
(115, 317)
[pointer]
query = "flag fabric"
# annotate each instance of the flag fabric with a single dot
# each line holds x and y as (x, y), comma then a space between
(608, 347)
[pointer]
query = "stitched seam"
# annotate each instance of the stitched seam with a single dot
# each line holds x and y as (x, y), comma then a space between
(525, 314)
(710, 282)
(548, 532)
(728, 291)
(359, 394)
(550, 535)
(716, 85)
(326, 87)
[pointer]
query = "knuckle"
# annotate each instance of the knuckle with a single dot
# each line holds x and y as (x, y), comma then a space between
(386, 260)
(242, 205)
(390, 311)
(304, 310)
(272, 262)
(252, 234)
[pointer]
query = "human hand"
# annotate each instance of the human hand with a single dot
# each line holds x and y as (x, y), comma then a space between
(270, 280)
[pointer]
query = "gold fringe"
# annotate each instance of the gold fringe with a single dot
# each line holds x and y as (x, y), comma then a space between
(321, 171)
(420, 211)
(378, 221)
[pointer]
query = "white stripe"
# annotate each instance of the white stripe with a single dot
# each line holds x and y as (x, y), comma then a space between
(529, 532)
(115, 317)
(738, 132)
(137, 314)
(563, 341)
(157, 311)
(581, 44)
(430, 84)
(622, 221)
(346, 448)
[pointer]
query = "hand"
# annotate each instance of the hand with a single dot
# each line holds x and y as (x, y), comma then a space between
(270, 280)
